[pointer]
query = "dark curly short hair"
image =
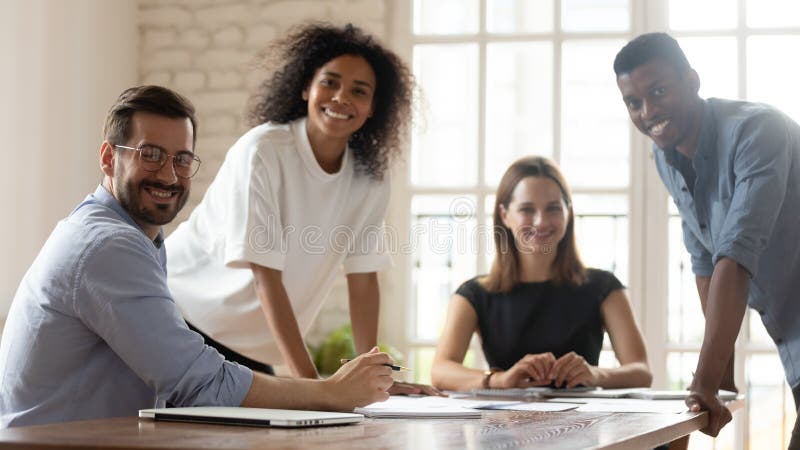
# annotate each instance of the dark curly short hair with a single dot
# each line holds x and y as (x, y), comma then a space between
(648, 47)
(293, 62)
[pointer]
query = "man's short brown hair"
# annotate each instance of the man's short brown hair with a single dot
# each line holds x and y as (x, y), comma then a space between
(152, 99)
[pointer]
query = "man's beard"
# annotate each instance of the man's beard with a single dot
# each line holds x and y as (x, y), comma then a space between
(130, 197)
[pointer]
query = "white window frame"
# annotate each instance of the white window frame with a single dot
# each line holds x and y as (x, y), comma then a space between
(648, 215)
(402, 330)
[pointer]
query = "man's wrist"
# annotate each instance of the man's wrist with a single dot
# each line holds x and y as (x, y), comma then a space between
(702, 384)
(325, 394)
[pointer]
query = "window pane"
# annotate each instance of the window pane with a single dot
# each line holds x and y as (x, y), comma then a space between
(447, 136)
(607, 216)
(607, 357)
(679, 369)
(715, 60)
(446, 16)
(724, 440)
(442, 238)
(423, 361)
(594, 125)
(686, 323)
(705, 15)
(765, 400)
(487, 238)
(772, 74)
(519, 104)
(422, 358)
(595, 15)
(519, 16)
(758, 334)
(789, 414)
(772, 13)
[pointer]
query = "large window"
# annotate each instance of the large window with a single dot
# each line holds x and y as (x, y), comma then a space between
(503, 79)
(738, 49)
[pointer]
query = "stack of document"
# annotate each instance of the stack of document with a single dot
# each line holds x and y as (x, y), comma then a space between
(632, 400)
(592, 400)
(626, 405)
(445, 407)
(650, 394)
(592, 392)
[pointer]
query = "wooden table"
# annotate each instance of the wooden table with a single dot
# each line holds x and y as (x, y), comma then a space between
(496, 429)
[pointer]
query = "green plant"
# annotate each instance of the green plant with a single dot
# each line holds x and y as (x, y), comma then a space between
(339, 345)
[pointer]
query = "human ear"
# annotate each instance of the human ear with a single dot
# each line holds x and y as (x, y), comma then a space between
(107, 158)
(503, 214)
(694, 80)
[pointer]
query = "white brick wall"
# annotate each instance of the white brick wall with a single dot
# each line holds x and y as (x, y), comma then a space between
(205, 49)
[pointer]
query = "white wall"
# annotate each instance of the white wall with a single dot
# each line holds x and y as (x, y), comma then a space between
(63, 65)
(65, 61)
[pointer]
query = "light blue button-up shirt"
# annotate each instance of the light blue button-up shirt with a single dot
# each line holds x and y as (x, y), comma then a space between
(746, 206)
(93, 331)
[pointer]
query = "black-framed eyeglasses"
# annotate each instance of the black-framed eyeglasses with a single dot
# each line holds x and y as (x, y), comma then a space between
(152, 158)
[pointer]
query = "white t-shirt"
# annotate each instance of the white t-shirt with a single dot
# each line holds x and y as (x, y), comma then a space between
(272, 204)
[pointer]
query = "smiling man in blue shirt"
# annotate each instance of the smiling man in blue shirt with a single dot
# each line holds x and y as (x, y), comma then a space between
(733, 170)
(93, 331)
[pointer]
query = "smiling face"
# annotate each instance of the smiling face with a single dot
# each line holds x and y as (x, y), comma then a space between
(339, 98)
(537, 215)
(151, 198)
(663, 103)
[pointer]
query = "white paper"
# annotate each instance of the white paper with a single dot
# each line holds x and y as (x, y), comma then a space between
(511, 392)
(596, 393)
(402, 406)
(627, 405)
(650, 394)
(534, 406)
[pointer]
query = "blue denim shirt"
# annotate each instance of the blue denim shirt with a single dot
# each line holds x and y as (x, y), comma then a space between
(93, 331)
(746, 206)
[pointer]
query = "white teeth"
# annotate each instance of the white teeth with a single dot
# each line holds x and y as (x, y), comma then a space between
(335, 115)
(658, 128)
(160, 194)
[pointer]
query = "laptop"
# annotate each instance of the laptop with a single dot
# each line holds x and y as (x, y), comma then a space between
(253, 417)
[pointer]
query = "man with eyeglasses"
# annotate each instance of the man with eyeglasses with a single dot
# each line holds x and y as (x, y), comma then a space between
(93, 331)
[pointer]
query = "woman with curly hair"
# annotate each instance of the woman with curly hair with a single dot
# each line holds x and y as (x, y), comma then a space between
(299, 197)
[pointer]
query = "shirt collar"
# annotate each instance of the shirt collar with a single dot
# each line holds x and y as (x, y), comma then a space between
(103, 197)
(307, 153)
(705, 142)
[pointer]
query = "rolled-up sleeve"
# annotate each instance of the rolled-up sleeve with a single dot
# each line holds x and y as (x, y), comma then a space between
(254, 230)
(122, 296)
(761, 166)
(369, 252)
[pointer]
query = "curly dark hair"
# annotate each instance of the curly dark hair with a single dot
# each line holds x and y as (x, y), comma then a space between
(647, 47)
(294, 61)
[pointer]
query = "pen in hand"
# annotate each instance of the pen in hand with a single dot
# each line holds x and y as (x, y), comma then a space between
(394, 367)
